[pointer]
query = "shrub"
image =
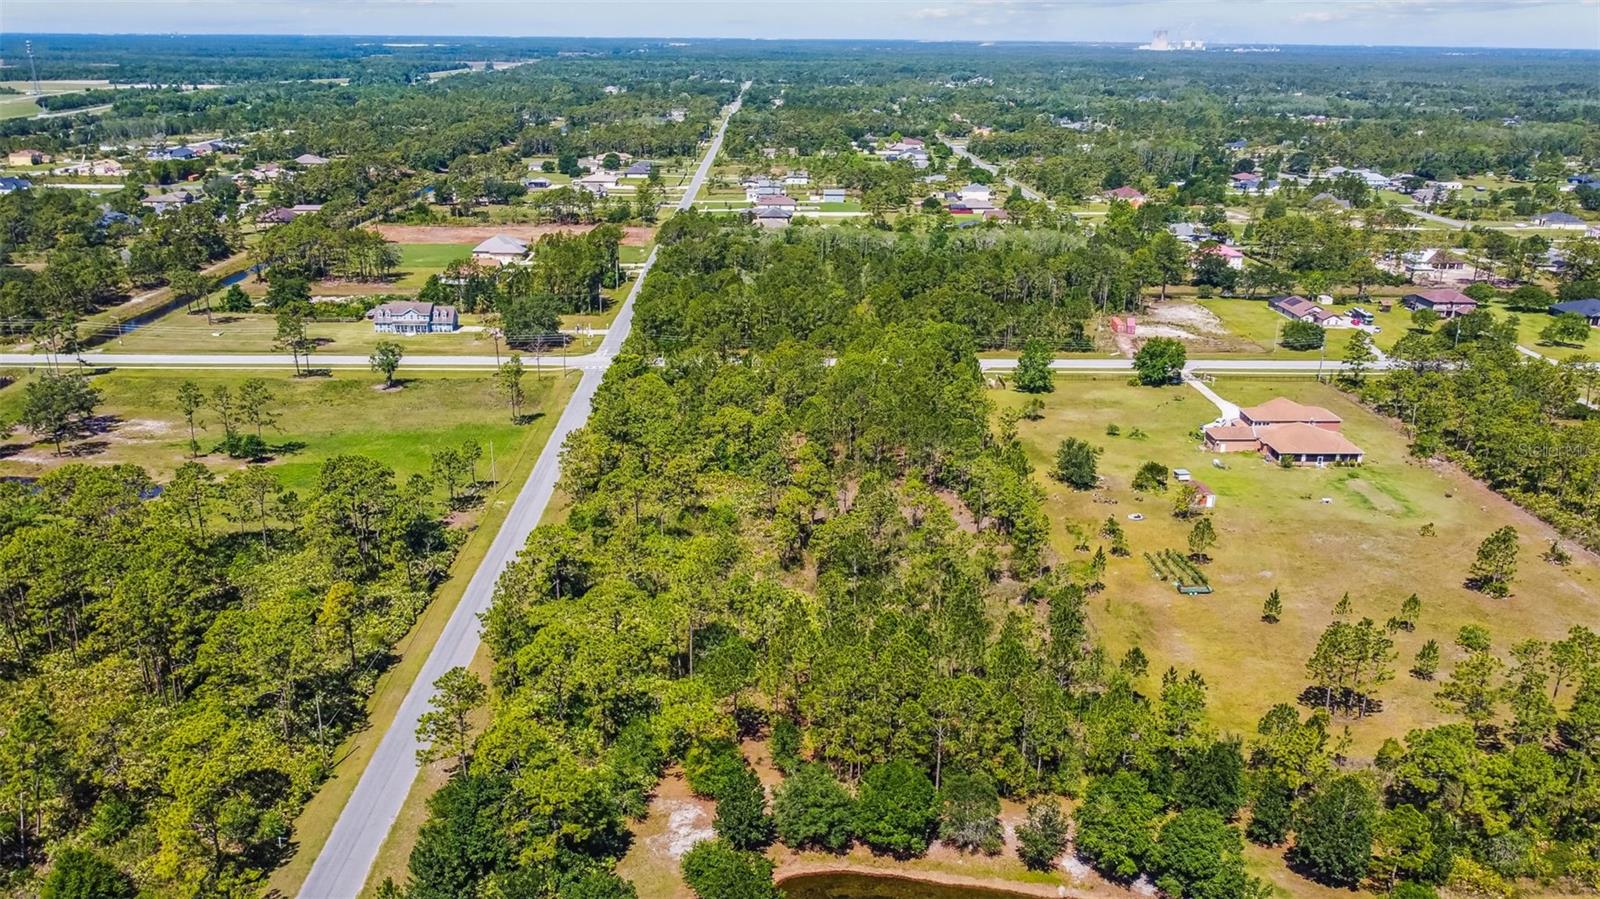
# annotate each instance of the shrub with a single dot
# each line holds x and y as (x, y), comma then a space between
(1076, 464)
(742, 818)
(1042, 839)
(969, 816)
(80, 874)
(813, 810)
(1151, 477)
(710, 767)
(715, 870)
(895, 809)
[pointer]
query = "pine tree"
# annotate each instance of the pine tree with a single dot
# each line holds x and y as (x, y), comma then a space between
(1272, 609)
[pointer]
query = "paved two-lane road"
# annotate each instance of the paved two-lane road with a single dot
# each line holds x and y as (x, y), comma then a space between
(960, 149)
(341, 868)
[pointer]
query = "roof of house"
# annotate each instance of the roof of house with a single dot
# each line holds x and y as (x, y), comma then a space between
(402, 307)
(775, 200)
(1564, 218)
(974, 188)
(1223, 250)
(1444, 295)
(1246, 176)
(773, 212)
(640, 168)
(15, 184)
(501, 245)
(1439, 257)
(1283, 409)
(1297, 438)
(1294, 304)
(1586, 308)
(1126, 193)
(181, 196)
(310, 159)
(1231, 431)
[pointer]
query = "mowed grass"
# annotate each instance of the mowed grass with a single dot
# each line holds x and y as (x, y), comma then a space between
(418, 261)
(318, 418)
(1275, 532)
(181, 331)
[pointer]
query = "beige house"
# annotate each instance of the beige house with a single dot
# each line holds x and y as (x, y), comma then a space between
(1282, 429)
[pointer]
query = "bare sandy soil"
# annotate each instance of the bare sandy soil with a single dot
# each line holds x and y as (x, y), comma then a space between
(633, 236)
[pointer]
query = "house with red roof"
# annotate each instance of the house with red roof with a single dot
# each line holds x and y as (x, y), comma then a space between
(1130, 194)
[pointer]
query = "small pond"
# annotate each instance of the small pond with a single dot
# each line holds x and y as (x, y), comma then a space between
(868, 886)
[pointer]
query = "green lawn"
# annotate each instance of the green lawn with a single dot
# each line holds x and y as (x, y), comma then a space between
(317, 418)
(1275, 532)
(254, 332)
(419, 260)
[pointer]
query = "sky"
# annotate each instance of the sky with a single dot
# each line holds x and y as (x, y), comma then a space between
(1452, 23)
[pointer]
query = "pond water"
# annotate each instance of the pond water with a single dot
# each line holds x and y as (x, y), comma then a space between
(868, 886)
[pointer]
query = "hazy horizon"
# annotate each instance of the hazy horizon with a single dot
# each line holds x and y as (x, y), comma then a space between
(1466, 24)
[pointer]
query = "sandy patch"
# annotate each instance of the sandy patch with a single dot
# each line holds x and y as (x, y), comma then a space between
(688, 823)
(631, 236)
(1186, 321)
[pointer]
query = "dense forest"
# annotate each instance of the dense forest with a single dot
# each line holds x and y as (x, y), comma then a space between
(849, 560)
(179, 661)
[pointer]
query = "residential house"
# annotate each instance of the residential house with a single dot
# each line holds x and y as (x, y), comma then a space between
(1236, 144)
(1330, 199)
(1589, 309)
(600, 182)
(539, 183)
(974, 194)
(1232, 255)
(778, 201)
(1559, 220)
(500, 250)
(1249, 182)
(27, 156)
(1301, 309)
(285, 214)
(834, 195)
(760, 187)
(1188, 233)
(1430, 196)
(1283, 429)
(162, 202)
(1131, 194)
(797, 178)
(1437, 267)
(12, 185)
(413, 317)
(640, 169)
(773, 217)
(1374, 180)
(1447, 302)
(311, 159)
(1282, 410)
(172, 153)
(269, 172)
(109, 168)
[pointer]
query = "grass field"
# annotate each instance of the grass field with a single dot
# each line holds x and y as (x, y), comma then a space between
(1274, 532)
(180, 331)
(317, 418)
(420, 260)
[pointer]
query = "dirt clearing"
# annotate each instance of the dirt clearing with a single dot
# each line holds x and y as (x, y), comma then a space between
(631, 236)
